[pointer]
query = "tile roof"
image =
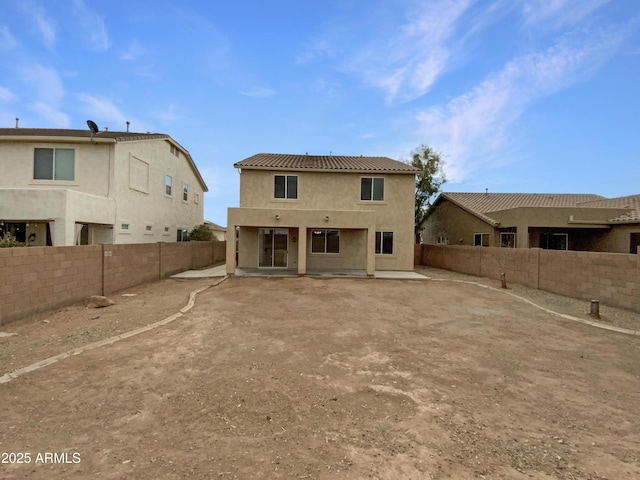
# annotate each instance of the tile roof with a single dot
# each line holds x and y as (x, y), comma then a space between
(632, 202)
(325, 162)
(482, 204)
(64, 132)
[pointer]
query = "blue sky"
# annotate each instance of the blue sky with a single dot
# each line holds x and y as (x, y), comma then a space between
(519, 96)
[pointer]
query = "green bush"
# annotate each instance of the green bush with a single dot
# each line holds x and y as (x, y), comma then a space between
(200, 233)
(9, 241)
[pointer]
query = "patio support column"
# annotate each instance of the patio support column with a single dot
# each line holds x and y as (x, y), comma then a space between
(371, 251)
(231, 250)
(302, 250)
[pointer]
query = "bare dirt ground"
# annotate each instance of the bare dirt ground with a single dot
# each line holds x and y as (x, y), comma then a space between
(324, 378)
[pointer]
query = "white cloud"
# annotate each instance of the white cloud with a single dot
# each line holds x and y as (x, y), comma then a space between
(7, 40)
(557, 13)
(6, 95)
(402, 61)
(133, 52)
(472, 128)
(50, 115)
(102, 109)
(44, 25)
(106, 114)
(259, 92)
(45, 83)
(90, 27)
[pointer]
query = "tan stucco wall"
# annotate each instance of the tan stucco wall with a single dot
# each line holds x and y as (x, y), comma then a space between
(153, 206)
(459, 226)
(64, 207)
(328, 193)
(91, 166)
(617, 240)
(131, 174)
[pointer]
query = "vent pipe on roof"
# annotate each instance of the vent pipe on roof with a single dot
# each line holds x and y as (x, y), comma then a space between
(128, 123)
(486, 191)
(17, 120)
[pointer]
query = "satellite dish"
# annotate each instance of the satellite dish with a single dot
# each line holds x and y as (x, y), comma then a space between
(92, 126)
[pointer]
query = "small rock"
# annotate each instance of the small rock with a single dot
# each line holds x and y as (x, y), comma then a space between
(98, 301)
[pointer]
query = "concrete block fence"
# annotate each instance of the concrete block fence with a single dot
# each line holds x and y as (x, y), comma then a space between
(611, 278)
(37, 279)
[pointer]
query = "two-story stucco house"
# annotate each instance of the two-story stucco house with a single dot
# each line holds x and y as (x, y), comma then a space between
(70, 187)
(309, 213)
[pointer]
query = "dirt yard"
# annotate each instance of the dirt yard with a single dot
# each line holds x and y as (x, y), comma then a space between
(324, 378)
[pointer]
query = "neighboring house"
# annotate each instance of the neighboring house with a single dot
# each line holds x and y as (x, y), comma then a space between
(305, 212)
(526, 220)
(219, 233)
(70, 187)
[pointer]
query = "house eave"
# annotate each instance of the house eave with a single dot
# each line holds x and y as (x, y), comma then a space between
(325, 170)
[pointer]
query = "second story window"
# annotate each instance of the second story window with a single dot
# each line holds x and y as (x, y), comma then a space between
(285, 186)
(372, 189)
(54, 164)
(167, 185)
(185, 192)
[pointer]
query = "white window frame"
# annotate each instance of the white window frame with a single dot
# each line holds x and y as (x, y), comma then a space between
(125, 227)
(482, 236)
(168, 185)
(185, 192)
(373, 189)
(166, 230)
(286, 186)
(53, 166)
(382, 243)
(183, 237)
(315, 231)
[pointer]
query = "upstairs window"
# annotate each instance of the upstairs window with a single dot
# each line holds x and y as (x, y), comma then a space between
(285, 186)
(185, 192)
(167, 185)
(54, 164)
(372, 189)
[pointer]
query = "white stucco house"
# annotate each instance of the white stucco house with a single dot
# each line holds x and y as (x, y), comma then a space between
(72, 187)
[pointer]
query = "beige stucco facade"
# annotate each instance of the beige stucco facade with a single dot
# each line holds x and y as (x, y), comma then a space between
(327, 200)
(117, 194)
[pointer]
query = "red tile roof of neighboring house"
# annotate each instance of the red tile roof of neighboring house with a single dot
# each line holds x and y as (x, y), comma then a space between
(632, 202)
(482, 204)
(325, 162)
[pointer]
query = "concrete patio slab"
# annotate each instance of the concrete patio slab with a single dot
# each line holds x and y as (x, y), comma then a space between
(400, 275)
(220, 271)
